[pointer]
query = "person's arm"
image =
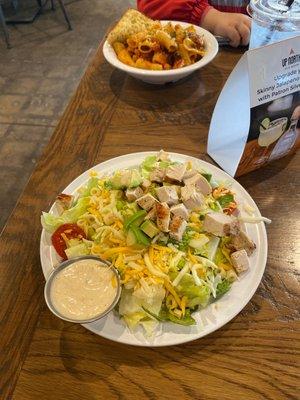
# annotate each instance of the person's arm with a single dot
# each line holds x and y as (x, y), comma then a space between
(192, 11)
(234, 26)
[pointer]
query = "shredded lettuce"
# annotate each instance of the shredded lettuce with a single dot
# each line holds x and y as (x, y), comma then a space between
(120, 204)
(220, 257)
(166, 164)
(166, 315)
(212, 248)
(161, 316)
(78, 250)
(214, 184)
(184, 243)
(128, 304)
(51, 222)
(223, 287)
(199, 242)
(181, 264)
(148, 165)
(149, 325)
(196, 295)
(149, 162)
(133, 303)
(125, 179)
(186, 320)
(133, 319)
(108, 185)
(152, 189)
(86, 190)
(225, 200)
(213, 205)
(212, 282)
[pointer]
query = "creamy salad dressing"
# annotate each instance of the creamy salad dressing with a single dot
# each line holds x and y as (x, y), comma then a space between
(83, 290)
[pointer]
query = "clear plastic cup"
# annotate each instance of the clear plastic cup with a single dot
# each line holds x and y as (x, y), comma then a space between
(273, 21)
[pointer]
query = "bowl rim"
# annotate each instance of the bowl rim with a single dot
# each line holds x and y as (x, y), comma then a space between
(66, 263)
(208, 57)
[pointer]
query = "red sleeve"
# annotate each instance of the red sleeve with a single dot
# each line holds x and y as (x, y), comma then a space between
(191, 11)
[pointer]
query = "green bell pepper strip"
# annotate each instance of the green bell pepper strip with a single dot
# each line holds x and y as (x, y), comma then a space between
(207, 176)
(134, 217)
(165, 315)
(140, 236)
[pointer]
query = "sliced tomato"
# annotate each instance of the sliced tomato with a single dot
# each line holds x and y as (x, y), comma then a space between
(69, 231)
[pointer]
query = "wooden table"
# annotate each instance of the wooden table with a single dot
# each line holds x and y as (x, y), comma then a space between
(252, 357)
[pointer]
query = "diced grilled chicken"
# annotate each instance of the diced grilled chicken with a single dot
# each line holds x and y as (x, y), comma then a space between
(200, 183)
(177, 227)
(175, 172)
(63, 202)
(134, 194)
(189, 173)
(163, 216)
(151, 214)
(180, 210)
(163, 156)
(167, 194)
(220, 224)
(157, 175)
(145, 184)
(240, 261)
(242, 241)
(191, 198)
(146, 202)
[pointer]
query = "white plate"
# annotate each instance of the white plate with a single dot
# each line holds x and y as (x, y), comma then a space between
(172, 75)
(212, 317)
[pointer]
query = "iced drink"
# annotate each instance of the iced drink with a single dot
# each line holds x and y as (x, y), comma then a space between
(273, 21)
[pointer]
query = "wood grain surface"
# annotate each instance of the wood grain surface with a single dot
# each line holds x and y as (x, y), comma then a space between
(255, 356)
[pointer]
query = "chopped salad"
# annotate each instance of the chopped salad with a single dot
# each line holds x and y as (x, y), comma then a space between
(172, 232)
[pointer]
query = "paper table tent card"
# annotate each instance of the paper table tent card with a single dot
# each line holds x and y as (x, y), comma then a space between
(257, 115)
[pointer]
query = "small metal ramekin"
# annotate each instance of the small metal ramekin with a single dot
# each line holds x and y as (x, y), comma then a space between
(65, 264)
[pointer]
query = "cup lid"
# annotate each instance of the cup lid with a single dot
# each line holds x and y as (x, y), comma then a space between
(276, 9)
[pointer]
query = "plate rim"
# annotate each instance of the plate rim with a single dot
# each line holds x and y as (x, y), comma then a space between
(213, 328)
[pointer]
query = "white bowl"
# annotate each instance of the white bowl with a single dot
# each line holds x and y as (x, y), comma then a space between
(172, 75)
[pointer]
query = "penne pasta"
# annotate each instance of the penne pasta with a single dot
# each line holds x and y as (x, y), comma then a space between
(191, 29)
(180, 34)
(191, 47)
(123, 54)
(118, 47)
(125, 57)
(145, 64)
(170, 30)
(166, 41)
(134, 40)
(184, 54)
(160, 58)
(146, 46)
(161, 47)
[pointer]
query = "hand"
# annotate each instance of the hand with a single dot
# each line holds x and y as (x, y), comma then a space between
(235, 27)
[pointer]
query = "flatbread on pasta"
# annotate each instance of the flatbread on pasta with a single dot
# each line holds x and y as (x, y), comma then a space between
(131, 23)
